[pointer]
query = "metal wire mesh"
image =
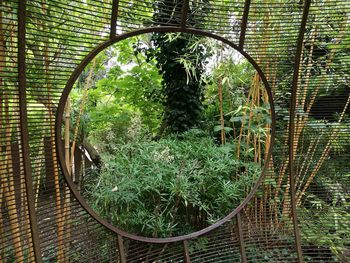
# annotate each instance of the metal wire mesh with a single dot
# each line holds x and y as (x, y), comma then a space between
(299, 213)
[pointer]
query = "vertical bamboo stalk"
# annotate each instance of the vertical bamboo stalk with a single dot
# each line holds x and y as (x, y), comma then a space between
(59, 212)
(241, 131)
(22, 182)
(21, 201)
(59, 218)
(222, 120)
(271, 72)
(9, 190)
(66, 206)
(6, 170)
(38, 174)
(66, 136)
(23, 193)
(86, 87)
(307, 159)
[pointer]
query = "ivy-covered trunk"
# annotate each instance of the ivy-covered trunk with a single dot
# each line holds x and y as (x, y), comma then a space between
(180, 60)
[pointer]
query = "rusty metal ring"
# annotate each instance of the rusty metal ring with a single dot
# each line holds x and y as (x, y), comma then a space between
(60, 147)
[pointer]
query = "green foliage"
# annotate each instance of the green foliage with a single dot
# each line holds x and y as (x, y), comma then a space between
(180, 60)
(125, 86)
(173, 186)
(276, 254)
(327, 204)
(236, 77)
(334, 219)
(181, 69)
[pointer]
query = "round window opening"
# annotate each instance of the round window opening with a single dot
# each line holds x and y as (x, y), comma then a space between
(165, 134)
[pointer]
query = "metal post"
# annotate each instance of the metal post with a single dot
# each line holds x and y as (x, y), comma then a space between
(186, 252)
(292, 127)
(22, 83)
(244, 23)
(184, 15)
(241, 239)
(121, 249)
(114, 17)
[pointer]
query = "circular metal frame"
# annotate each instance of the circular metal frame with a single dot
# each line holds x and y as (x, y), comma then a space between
(60, 147)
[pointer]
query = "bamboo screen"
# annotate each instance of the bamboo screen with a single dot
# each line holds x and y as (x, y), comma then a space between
(300, 210)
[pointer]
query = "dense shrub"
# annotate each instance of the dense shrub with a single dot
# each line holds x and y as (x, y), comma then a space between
(169, 187)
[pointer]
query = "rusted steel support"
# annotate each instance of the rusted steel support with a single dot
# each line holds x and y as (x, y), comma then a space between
(292, 127)
(184, 15)
(121, 248)
(241, 239)
(186, 251)
(22, 83)
(244, 23)
(114, 17)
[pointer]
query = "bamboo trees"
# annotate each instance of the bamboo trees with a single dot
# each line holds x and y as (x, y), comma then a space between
(310, 90)
(8, 184)
(86, 86)
(13, 215)
(59, 209)
(47, 56)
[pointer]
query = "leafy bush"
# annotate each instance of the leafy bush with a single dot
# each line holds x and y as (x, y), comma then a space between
(173, 186)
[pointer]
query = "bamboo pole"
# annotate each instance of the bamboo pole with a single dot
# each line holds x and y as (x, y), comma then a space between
(243, 125)
(251, 104)
(308, 68)
(70, 150)
(59, 218)
(258, 95)
(66, 206)
(222, 120)
(66, 136)
(38, 174)
(9, 190)
(307, 160)
(59, 213)
(23, 198)
(86, 87)
(6, 171)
